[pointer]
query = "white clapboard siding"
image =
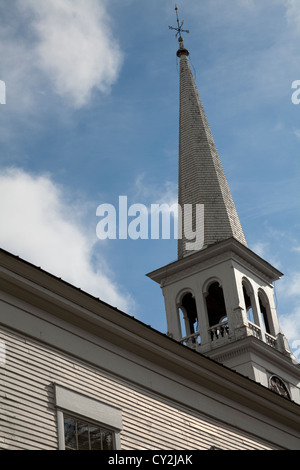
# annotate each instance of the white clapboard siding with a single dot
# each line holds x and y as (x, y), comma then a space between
(28, 414)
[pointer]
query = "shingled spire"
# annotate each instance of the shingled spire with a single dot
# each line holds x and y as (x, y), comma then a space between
(201, 176)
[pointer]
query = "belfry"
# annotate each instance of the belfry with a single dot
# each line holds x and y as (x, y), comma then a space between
(219, 299)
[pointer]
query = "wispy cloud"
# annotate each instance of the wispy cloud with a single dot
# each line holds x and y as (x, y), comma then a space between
(293, 12)
(256, 58)
(290, 325)
(147, 192)
(297, 133)
(39, 225)
(260, 248)
(290, 286)
(288, 294)
(264, 250)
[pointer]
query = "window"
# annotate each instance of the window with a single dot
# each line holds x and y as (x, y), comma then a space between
(215, 304)
(189, 323)
(278, 386)
(264, 310)
(188, 307)
(248, 301)
(83, 435)
(85, 423)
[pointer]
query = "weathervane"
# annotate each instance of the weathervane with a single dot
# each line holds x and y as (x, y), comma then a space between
(179, 27)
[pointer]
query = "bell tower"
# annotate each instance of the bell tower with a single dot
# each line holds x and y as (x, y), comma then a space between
(219, 299)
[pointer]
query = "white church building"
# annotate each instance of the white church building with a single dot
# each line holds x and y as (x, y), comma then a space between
(77, 373)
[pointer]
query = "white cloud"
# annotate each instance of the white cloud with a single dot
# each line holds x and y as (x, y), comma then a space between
(293, 12)
(75, 46)
(37, 225)
(66, 46)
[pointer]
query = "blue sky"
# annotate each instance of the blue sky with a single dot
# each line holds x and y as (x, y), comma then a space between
(91, 113)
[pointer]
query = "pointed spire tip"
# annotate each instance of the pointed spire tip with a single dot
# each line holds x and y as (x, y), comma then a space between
(181, 51)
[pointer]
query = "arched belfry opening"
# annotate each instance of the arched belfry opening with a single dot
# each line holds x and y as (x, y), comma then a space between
(265, 312)
(188, 307)
(249, 301)
(215, 304)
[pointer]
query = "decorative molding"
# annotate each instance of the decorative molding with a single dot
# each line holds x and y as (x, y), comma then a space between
(226, 250)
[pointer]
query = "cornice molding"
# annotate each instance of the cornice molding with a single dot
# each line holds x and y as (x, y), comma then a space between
(251, 344)
(228, 249)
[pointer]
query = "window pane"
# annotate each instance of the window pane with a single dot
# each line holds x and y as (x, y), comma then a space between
(70, 433)
(95, 437)
(83, 436)
(80, 435)
(107, 440)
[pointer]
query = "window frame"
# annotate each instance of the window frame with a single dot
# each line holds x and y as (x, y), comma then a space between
(89, 423)
(88, 409)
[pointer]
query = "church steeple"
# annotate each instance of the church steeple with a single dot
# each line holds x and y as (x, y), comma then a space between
(201, 176)
(219, 299)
